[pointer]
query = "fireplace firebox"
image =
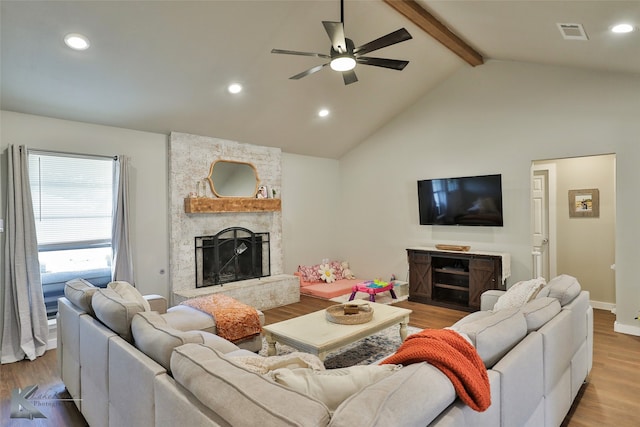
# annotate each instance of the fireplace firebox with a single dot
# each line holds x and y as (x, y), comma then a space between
(232, 255)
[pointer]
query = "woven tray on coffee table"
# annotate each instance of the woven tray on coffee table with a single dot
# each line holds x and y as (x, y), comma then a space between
(336, 314)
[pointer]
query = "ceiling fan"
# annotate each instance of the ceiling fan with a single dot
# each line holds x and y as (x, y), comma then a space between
(344, 55)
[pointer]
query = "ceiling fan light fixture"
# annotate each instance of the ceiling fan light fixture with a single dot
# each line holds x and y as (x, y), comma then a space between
(343, 63)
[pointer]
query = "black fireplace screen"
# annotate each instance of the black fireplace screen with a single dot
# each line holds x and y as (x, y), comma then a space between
(231, 255)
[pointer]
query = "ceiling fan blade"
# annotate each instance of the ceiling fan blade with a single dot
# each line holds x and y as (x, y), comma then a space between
(335, 31)
(293, 52)
(349, 77)
(309, 71)
(394, 64)
(384, 41)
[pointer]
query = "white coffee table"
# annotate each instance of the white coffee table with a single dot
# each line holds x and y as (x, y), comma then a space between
(313, 333)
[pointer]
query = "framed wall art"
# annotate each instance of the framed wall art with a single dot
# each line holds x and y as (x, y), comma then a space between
(584, 203)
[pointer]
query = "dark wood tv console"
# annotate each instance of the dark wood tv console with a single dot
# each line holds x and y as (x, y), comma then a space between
(455, 279)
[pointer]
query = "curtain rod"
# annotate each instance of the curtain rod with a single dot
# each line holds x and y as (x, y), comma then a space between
(67, 153)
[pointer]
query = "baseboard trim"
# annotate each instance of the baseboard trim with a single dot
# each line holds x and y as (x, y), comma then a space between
(52, 341)
(626, 329)
(603, 306)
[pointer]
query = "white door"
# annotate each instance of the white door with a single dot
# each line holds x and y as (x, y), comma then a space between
(543, 221)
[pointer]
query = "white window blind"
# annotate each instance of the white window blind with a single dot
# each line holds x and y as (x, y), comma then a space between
(72, 199)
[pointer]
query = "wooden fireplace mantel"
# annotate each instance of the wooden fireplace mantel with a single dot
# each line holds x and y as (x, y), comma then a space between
(199, 205)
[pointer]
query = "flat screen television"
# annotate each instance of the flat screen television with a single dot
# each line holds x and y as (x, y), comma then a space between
(469, 200)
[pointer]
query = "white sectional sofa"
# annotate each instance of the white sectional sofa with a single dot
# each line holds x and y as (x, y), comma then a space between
(111, 381)
(537, 356)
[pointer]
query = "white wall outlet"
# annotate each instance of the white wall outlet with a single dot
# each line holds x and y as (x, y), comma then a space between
(1, 225)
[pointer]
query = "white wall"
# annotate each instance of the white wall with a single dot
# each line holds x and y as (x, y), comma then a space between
(586, 245)
(496, 118)
(148, 186)
(311, 210)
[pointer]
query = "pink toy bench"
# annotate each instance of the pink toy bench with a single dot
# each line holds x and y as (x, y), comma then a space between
(371, 290)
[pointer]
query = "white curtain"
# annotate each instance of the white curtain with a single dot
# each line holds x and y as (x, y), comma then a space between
(121, 264)
(25, 330)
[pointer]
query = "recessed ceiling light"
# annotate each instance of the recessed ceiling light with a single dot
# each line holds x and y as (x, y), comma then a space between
(235, 88)
(323, 113)
(622, 28)
(76, 41)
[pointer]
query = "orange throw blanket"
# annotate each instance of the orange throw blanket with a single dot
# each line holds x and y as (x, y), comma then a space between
(235, 321)
(455, 357)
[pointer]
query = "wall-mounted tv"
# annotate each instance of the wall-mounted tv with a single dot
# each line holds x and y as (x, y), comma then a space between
(469, 200)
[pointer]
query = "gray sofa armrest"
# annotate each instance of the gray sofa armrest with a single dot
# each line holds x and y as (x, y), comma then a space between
(157, 302)
(488, 299)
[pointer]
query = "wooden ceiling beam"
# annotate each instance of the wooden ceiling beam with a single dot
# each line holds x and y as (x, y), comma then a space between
(436, 29)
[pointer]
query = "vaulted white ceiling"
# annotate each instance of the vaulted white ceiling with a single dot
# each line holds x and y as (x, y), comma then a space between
(163, 66)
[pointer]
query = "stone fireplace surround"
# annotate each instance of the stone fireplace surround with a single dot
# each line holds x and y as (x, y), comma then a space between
(190, 157)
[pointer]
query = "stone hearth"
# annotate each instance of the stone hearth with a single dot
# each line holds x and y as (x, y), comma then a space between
(263, 294)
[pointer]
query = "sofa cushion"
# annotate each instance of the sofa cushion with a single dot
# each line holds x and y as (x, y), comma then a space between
(519, 294)
(239, 396)
(495, 335)
(156, 339)
(413, 396)
(115, 311)
(328, 290)
(332, 386)
(263, 365)
(128, 292)
(79, 292)
(564, 288)
(539, 311)
(187, 318)
(544, 292)
(218, 343)
(471, 317)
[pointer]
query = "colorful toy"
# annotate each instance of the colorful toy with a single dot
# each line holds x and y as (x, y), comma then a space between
(372, 287)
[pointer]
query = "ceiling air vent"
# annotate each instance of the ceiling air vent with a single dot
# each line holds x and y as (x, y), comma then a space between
(572, 31)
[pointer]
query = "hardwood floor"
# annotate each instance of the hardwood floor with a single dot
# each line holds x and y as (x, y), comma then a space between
(610, 398)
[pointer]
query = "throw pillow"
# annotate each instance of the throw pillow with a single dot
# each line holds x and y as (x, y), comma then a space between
(240, 397)
(115, 312)
(413, 396)
(494, 336)
(327, 273)
(564, 288)
(309, 273)
(337, 269)
(539, 311)
(156, 339)
(262, 365)
(129, 293)
(519, 294)
(332, 386)
(79, 292)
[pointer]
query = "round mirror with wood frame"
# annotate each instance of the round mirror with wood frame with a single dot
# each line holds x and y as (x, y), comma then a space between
(231, 178)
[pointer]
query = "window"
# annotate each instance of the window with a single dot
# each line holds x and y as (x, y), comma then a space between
(72, 203)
